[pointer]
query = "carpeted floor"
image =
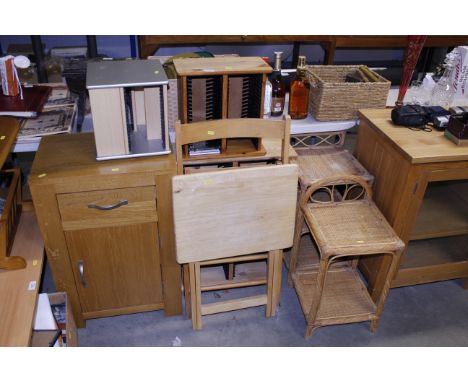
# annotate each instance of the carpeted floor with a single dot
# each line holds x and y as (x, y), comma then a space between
(424, 315)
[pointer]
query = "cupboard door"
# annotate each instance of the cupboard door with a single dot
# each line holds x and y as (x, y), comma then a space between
(116, 268)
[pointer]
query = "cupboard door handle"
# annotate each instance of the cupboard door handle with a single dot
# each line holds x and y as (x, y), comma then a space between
(109, 207)
(81, 270)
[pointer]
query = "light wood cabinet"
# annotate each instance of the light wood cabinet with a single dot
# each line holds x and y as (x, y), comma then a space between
(420, 187)
(107, 228)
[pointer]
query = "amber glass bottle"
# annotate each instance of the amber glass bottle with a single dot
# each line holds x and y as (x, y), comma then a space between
(299, 93)
(278, 90)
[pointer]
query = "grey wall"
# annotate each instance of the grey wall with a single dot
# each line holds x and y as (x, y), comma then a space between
(112, 46)
(120, 46)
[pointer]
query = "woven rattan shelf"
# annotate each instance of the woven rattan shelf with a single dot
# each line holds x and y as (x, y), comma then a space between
(345, 297)
(320, 163)
(350, 228)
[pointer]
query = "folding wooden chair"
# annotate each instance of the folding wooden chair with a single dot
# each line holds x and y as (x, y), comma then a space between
(224, 129)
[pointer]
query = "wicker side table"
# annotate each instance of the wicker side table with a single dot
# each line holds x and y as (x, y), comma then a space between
(315, 164)
(345, 228)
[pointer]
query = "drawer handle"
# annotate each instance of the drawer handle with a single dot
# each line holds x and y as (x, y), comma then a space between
(81, 270)
(110, 207)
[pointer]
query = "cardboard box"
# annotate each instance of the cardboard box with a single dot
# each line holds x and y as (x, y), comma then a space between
(54, 324)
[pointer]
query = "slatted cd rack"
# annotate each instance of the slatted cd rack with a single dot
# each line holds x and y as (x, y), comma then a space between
(223, 87)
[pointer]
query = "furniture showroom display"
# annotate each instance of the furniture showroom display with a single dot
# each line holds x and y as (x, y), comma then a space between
(185, 192)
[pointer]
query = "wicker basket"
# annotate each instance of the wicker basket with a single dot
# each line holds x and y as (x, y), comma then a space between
(332, 99)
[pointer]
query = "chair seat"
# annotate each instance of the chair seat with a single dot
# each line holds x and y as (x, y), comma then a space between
(321, 163)
(351, 228)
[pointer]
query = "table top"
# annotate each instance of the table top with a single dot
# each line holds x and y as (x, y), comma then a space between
(74, 155)
(418, 146)
(19, 288)
(115, 74)
(311, 125)
(220, 65)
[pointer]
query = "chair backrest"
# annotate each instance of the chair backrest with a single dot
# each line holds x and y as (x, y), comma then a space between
(232, 128)
(353, 187)
(236, 212)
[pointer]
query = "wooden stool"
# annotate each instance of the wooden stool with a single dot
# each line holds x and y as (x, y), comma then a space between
(234, 216)
(346, 227)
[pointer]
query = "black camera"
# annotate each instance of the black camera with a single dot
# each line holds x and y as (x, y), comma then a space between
(409, 115)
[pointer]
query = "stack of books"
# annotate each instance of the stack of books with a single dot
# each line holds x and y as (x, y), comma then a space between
(205, 148)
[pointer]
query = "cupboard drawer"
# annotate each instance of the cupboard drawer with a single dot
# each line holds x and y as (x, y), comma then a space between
(107, 207)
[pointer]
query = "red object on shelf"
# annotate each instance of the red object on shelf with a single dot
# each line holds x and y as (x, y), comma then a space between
(34, 98)
(10, 84)
(413, 50)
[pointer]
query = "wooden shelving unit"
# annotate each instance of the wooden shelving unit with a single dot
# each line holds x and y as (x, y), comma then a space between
(11, 210)
(444, 211)
(439, 238)
(220, 88)
(436, 251)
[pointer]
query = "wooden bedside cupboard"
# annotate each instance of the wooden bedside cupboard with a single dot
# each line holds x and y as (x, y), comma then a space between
(107, 228)
(420, 186)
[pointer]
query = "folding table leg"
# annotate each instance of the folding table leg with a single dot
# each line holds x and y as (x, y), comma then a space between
(296, 243)
(187, 298)
(195, 295)
(277, 257)
(270, 275)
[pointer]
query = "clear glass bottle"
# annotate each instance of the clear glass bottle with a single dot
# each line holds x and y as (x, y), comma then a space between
(299, 93)
(267, 97)
(444, 92)
(278, 88)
